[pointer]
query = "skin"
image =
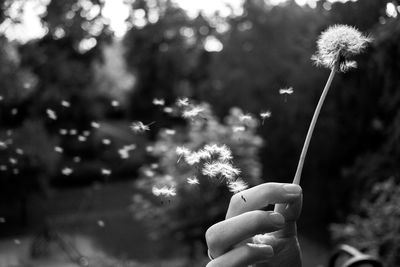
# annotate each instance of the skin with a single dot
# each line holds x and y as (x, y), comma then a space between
(252, 236)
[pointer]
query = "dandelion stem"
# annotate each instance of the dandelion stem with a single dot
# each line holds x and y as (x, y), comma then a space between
(303, 154)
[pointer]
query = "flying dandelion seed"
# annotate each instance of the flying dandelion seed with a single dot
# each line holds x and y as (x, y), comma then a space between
(149, 173)
(86, 133)
(264, 115)
(192, 112)
(106, 172)
(2, 220)
(139, 127)
(337, 45)
(77, 159)
(168, 110)
(58, 149)
(182, 102)
(14, 111)
(73, 132)
(13, 161)
(237, 185)
(19, 151)
(224, 169)
(63, 131)
(158, 102)
(101, 223)
(1, 98)
(236, 129)
(95, 124)
(3, 145)
(245, 117)
(124, 151)
(192, 158)
(3, 168)
(115, 103)
(170, 132)
(106, 141)
(67, 171)
(164, 191)
(65, 104)
(149, 149)
(286, 91)
(192, 180)
(82, 138)
(51, 114)
(182, 151)
(15, 171)
(225, 154)
(17, 242)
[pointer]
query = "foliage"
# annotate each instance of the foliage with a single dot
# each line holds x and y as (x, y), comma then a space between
(195, 206)
(375, 228)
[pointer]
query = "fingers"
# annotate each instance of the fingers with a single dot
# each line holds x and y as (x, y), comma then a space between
(224, 235)
(262, 195)
(243, 256)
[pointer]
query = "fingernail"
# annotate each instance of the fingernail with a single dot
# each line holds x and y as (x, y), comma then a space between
(277, 219)
(268, 251)
(292, 188)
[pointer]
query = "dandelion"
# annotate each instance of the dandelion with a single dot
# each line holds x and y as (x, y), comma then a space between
(286, 91)
(223, 151)
(158, 102)
(51, 114)
(67, 171)
(192, 112)
(164, 191)
(139, 127)
(337, 45)
(192, 180)
(237, 185)
(182, 102)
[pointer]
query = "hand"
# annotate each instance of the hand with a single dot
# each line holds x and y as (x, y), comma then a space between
(250, 235)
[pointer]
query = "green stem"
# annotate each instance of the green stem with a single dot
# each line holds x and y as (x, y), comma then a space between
(303, 154)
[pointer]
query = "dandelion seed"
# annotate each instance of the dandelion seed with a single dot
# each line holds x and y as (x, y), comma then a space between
(15, 171)
(67, 171)
(17, 242)
(1, 98)
(13, 161)
(223, 151)
(77, 159)
(154, 166)
(73, 131)
(192, 112)
(264, 115)
(100, 223)
(286, 91)
(3, 145)
(183, 102)
(65, 103)
(2, 220)
(86, 133)
(225, 169)
(192, 158)
(245, 117)
(337, 44)
(95, 124)
(236, 129)
(148, 173)
(58, 149)
(3, 168)
(158, 102)
(51, 114)
(237, 185)
(14, 111)
(63, 131)
(149, 149)
(192, 180)
(164, 191)
(168, 110)
(82, 138)
(124, 151)
(170, 132)
(139, 127)
(106, 172)
(115, 103)
(106, 141)
(182, 151)
(19, 151)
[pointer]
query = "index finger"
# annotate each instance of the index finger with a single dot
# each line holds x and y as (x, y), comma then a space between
(262, 195)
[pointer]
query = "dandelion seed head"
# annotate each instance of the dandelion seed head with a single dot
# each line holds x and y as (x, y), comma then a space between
(223, 169)
(237, 185)
(182, 151)
(339, 42)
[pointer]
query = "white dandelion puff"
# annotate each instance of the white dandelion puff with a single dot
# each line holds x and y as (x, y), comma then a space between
(182, 151)
(192, 158)
(192, 112)
(264, 115)
(115, 103)
(124, 151)
(95, 124)
(337, 44)
(65, 104)
(224, 169)
(106, 141)
(236, 129)
(105, 172)
(237, 185)
(58, 149)
(170, 132)
(168, 110)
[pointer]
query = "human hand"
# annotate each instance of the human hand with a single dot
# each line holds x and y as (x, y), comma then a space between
(250, 235)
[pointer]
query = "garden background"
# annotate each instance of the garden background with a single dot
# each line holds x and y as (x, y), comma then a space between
(75, 180)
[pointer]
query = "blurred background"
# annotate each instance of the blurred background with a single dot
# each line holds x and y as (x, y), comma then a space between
(76, 181)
